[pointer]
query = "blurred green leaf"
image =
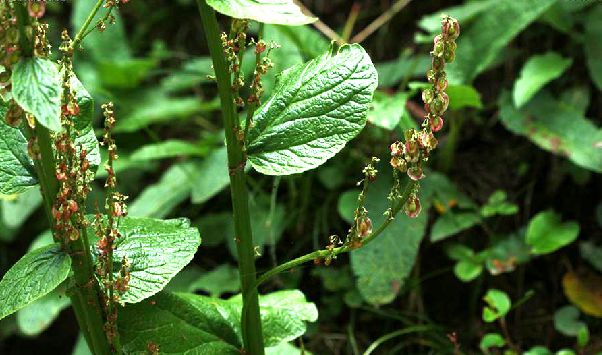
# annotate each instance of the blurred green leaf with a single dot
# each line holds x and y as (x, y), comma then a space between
(463, 13)
(282, 12)
(35, 275)
(211, 176)
(325, 99)
(546, 233)
(386, 110)
(566, 321)
(452, 222)
(17, 173)
(592, 44)
(124, 73)
(498, 305)
(193, 73)
(284, 57)
(469, 265)
(536, 73)
(169, 149)
(285, 349)
(310, 42)
(556, 127)
(497, 204)
(491, 340)
(216, 227)
(578, 97)
(158, 200)
(538, 350)
(15, 209)
(406, 66)
(156, 251)
(492, 30)
(592, 253)
(461, 96)
(559, 18)
(507, 253)
(222, 279)
(38, 315)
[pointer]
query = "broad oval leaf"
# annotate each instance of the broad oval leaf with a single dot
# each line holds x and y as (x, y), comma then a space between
(37, 89)
(17, 172)
(36, 274)
(316, 108)
(156, 250)
(279, 12)
(188, 323)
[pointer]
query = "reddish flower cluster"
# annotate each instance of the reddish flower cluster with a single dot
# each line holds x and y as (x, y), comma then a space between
(409, 156)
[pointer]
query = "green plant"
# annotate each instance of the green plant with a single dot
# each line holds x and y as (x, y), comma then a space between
(110, 262)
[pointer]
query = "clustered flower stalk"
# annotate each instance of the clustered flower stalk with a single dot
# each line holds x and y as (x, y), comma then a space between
(410, 156)
(107, 230)
(234, 46)
(73, 168)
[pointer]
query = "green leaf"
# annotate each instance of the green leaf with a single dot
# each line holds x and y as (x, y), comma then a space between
(451, 223)
(492, 30)
(36, 87)
(386, 110)
(84, 131)
(156, 250)
(111, 44)
(382, 266)
(566, 321)
(592, 45)
(186, 323)
(546, 233)
(463, 13)
(556, 127)
(211, 176)
(406, 66)
(168, 149)
(538, 350)
(216, 227)
(33, 276)
(286, 349)
(461, 96)
(315, 110)
(222, 279)
(537, 72)
(15, 210)
(497, 204)
(505, 254)
(310, 42)
(498, 305)
(38, 315)
(592, 253)
(158, 200)
(281, 12)
(491, 340)
(193, 73)
(469, 265)
(17, 173)
(126, 73)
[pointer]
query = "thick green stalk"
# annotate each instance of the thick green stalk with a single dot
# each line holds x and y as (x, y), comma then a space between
(84, 298)
(251, 323)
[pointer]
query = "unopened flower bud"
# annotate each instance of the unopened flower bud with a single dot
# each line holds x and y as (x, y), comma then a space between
(427, 96)
(412, 207)
(449, 54)
(439, 46)
(436, 123)
(415, 173)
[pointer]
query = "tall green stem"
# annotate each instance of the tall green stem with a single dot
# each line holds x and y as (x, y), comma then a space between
(85, 295)
(251, 322)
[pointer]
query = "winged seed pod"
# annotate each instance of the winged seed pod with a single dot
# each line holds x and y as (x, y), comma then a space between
(410, 155)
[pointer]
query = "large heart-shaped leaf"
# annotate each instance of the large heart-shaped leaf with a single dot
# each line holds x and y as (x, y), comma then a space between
(36, 274)
(280, 12)
(16, 167)
(187, 323)
(156, 251)
(37, 89)
(315, 110)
